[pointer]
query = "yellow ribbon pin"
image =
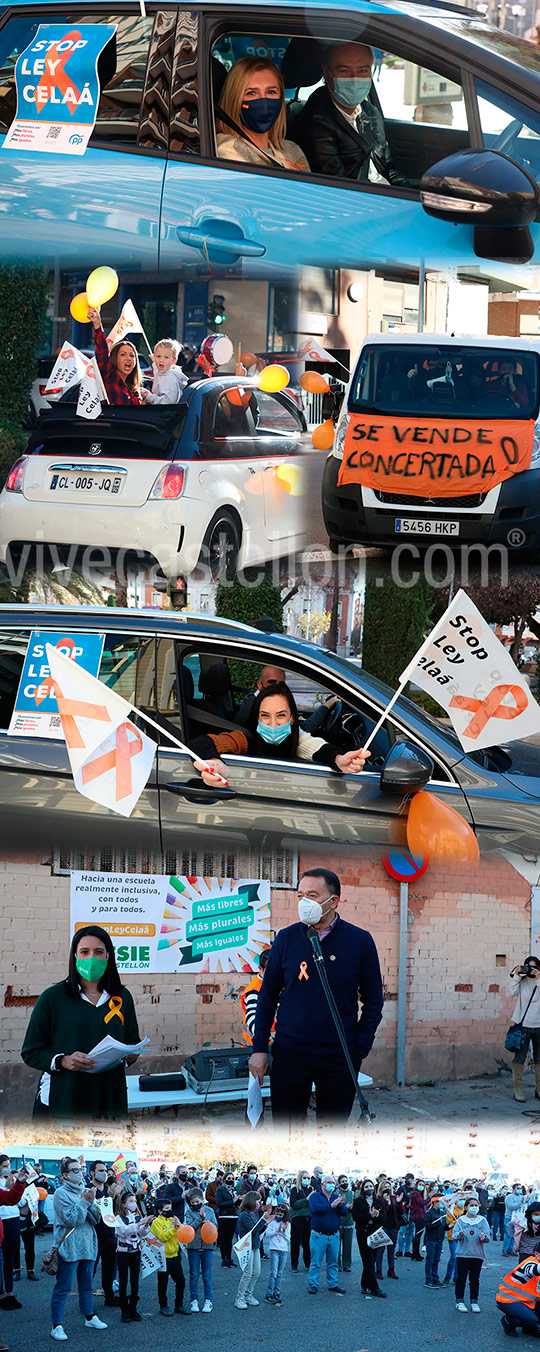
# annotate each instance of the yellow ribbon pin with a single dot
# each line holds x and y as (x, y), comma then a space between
(115, 1005)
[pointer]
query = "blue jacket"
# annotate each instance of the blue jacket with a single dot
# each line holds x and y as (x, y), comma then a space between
(324, 1218)
(304, 1023)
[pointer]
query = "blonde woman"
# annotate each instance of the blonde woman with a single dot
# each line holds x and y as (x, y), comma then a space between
(253, 96)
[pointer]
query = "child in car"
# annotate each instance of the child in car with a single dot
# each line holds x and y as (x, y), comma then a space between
(169, 379)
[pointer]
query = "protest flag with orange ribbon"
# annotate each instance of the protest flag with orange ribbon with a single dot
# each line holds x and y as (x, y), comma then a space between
(110, 757)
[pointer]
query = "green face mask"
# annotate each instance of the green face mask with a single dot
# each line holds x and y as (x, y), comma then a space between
(92, 969)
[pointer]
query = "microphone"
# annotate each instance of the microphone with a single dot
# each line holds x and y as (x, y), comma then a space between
(315, 943)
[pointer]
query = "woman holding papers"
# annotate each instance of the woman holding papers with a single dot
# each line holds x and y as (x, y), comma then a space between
(70, 1019)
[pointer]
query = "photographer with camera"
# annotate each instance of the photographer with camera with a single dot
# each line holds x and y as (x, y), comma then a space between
(525, 1029)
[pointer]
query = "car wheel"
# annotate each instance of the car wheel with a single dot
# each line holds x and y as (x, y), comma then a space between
(221, 546)
(335, 546)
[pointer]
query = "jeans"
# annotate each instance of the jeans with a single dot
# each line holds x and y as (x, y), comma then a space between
(249, 1276)
(433, 1258)
(508, 1240)
(405, 1238)
(346, 1233)
(368, 1280)
(323, 1247)
(451, 1265)
(10, 1247)
(28, 1236)
(200, 1264)
(389, 1250)
(468, 1267)
(84, 1268)
(278, 1259)
(129, 1265)
(300, 1232)
(497, 1224)
(226, 1229)
(519, 1315)
(174, 1270)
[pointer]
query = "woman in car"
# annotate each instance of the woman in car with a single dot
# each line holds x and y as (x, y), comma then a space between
(253, 97)
(70, 1019)
(119, 368)
(273, 731)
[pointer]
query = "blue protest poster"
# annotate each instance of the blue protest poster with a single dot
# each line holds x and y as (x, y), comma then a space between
(35, 713)
(58, 88)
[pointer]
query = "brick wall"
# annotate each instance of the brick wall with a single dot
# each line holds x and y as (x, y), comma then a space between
(464, 936)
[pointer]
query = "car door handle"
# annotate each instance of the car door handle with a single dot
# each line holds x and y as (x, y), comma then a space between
(198, 793)
(200, 239)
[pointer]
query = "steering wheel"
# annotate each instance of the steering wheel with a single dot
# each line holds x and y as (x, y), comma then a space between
(510, 134)
(332, 720)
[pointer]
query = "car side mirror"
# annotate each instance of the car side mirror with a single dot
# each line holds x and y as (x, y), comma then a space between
(330, 405)
(407, 769)
(489, 191)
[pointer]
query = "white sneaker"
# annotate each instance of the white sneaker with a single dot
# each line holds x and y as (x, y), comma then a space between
(59, 1333)
(95, 1323)
(475, 1307)
(195, 1307)
(250, 1300)
(240, 1303)
(207, 1307)
(461, 1306)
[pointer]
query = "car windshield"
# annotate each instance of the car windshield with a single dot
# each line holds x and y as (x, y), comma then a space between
(448, 381)
(525, 54)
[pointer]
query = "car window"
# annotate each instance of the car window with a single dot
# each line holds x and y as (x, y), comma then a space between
(13, 647)
(411, 117)
(274, 416)
(510, 127)
(455, 381)
(230, 415)
(127, 667)
(122, 68)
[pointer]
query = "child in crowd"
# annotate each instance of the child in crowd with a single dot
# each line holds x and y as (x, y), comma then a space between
(199, 1251)
(164, 1227)
(131, 1229)
(472, 1233)
(169, 379)
(277, 1233)
(250, 1218)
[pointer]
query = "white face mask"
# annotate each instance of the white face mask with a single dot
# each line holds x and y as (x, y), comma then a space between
(311, 912)
(131, 1206)
(100, 1178)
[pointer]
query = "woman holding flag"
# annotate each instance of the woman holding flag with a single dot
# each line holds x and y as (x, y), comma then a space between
(69, 1019)
(119, 368)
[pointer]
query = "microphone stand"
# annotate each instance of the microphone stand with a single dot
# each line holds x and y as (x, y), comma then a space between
(336, 1016)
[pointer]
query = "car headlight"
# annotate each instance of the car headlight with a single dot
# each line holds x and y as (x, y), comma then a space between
(341, 432)
(535, 457)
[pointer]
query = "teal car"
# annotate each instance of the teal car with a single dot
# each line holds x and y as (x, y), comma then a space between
(460, 102)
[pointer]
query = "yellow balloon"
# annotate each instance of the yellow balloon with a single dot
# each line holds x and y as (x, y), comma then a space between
(314, 383)
(323, 436)
(101, 285)
(273, 378)
(293, 479)
(79, 308)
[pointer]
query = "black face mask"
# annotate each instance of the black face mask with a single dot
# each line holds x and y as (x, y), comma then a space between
(259, 115)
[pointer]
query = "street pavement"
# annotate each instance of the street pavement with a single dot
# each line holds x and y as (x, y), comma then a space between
(412, 1317)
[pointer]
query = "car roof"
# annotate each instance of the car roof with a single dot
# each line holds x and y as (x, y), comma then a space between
(380, 6)
(455, 340)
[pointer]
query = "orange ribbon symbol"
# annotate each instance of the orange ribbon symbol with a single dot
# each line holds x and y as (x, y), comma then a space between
(47, 686)
(118, 759)
(491, 707)
(115, 1005)
(56, 77)
(70, 709)
(303, 973)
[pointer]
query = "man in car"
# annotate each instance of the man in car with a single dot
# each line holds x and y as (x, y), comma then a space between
(269, 676)
(340, 129)
(306, 1048)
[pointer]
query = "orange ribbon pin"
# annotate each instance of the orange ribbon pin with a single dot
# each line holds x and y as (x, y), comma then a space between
(115, 1005)
(303, 973)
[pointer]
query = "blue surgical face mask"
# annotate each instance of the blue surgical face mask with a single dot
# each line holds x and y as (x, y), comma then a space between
(351, 91)
(259, 115)
(274, 735)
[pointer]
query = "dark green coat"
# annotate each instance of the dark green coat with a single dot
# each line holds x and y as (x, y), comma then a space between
(61, 1022)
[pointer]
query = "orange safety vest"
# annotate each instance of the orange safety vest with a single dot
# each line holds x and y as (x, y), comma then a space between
(253, 987)
(521, 1284)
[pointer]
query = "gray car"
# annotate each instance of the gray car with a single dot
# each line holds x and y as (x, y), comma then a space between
(189, 673)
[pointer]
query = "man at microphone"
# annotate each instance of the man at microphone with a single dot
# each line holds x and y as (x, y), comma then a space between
(306, 1049)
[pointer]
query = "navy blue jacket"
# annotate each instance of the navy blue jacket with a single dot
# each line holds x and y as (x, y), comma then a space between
(304, 1023)
(325, 1218)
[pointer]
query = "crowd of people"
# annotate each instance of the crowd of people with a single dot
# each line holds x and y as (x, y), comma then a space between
(102, 1215)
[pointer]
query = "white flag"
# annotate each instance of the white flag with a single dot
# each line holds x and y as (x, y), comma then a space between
(68, 370)
(152, 1256)
(127, 322)
(254, 1100)
(92, 393)
(110, 758)
(468, 671)
(311, 350)
(106, 1207)
(242, 1249)
(31, 1196)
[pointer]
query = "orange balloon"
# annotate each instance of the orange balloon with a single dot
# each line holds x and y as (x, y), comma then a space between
(185, 1233)
(208, 1232)
(314, 383)
(323, 436)
(79, 307)
(238, 396)
(42, 1194)
(439, 831)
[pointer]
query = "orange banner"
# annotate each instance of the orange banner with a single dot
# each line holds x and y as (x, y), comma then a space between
(434, 457)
